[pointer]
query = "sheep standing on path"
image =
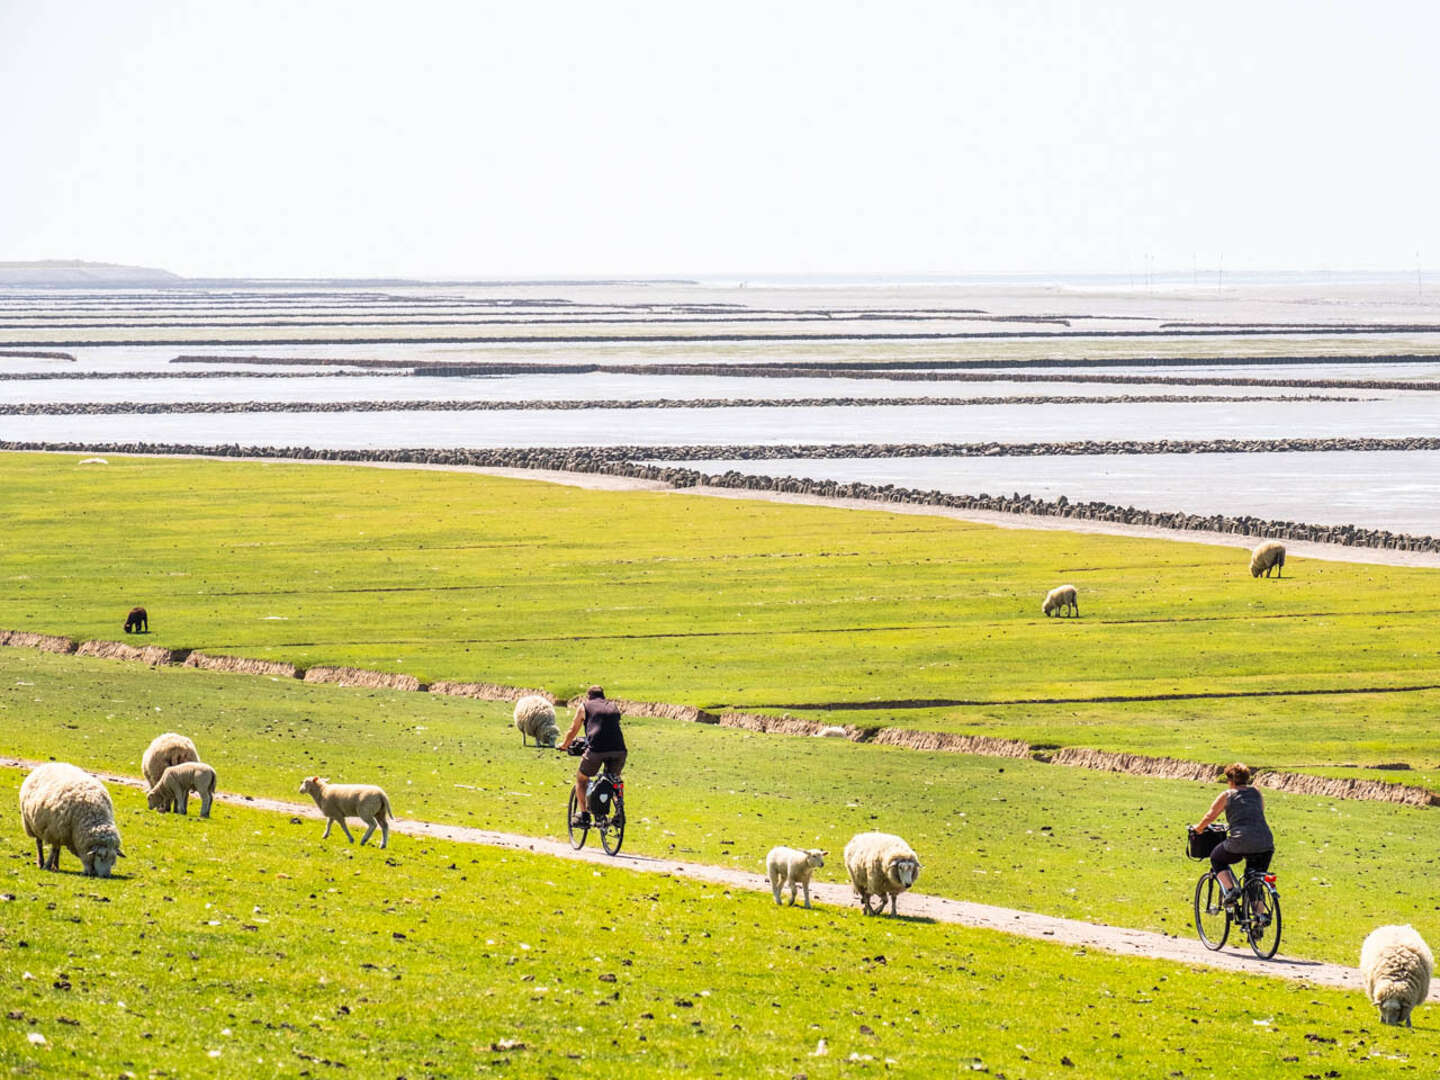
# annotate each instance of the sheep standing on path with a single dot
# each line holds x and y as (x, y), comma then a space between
(164, 751)
(1396, 964)
(339, 801)
(793, 867)
(880, 865)
(172, 792)
(1060, 599)
(1266, 557)
(63, 805)
(535, 717)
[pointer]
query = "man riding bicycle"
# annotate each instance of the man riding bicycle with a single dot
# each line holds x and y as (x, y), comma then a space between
(1249, 837)
(605, 746)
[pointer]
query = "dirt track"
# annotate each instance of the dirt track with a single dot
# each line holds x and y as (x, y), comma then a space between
(1112, 939)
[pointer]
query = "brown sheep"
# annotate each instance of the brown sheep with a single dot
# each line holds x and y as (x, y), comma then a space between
(137, 621)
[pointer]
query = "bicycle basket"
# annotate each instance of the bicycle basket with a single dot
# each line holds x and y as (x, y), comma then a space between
(1198, 845)
(577, 748)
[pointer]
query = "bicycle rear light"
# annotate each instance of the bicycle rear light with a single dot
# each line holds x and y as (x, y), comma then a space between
(1269, 879)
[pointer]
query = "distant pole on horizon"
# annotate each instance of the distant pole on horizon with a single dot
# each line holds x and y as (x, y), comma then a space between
(1220, 276)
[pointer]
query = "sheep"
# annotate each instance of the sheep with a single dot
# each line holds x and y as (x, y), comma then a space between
(832, 731)
(535, 717)
(880, 865)
(164, 751)
(172, 792)
(138, 621)
(339, 801)
(1266, 557)
(1061, 598)
(793, 867)
(1396, 964)
(63, 805)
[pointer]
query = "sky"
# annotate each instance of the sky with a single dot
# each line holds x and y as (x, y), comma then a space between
(488, 140)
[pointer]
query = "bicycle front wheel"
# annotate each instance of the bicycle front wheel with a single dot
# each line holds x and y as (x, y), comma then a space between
(577, 832)
(1212, 921)
(613, 835)
(1263, 925)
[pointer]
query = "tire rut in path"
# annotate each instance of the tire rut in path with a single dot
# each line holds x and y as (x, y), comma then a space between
(1120, 941)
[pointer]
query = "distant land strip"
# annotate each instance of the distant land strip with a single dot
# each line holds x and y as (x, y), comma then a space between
(126, 408)
(591, 460)
(35, 354)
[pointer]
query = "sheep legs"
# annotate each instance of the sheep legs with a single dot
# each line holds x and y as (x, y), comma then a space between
(54, 863)
(40, 857)
(806, 887)
(182, 801)
(205, 803)
(343, 828)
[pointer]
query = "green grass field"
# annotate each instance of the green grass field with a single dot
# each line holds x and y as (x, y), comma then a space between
(1022, 834)
(867, 618)
(241, 946)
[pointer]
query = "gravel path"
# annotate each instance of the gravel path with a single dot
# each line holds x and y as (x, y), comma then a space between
(1112, 939)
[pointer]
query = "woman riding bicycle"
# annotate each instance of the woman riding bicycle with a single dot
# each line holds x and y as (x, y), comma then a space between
(1249, 836)
(605, 746)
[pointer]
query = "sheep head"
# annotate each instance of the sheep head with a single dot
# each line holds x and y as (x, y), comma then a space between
(157, 799)
(1395, 1010)
(815, 857)
(904, 870)
(99, 856)
(311, 785)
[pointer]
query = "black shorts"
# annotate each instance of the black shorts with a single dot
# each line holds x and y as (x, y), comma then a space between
(613, 760)
(1222, 857)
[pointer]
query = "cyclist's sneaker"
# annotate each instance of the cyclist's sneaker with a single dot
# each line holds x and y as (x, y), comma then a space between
(579, 821)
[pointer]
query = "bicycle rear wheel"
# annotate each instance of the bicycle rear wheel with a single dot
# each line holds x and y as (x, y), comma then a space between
(577, 832)
(612, 833)
(1212, 921)
(1263, 925)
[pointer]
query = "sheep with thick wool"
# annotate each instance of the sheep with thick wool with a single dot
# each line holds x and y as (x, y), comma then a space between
(67, 807)
(1061, 600)
(1266, 557)
(793, 867)
(339, 801)
(535, 717)
(172, 791)
(880, 865)
(164, 751)
(1396, 965)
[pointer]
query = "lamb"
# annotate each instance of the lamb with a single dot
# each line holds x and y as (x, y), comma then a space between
(164, 751)
(1061, 599)
(339, 801)
(535, 717)
(832, 731)
(137, 621)
(1266, 557)
(1396, 964)
(172, 792)
(63, 805)
(880, 865)
(793, 867)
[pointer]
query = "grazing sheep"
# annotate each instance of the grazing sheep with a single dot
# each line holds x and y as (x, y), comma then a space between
(63, 805)
(164, 751)
(1397, 965)
(833, 731)
(1061, 599)
(880, 865)
(339, 801)
(793, 867)
(1266, 557)
(172, 792)
(137, 621)
(535, 717)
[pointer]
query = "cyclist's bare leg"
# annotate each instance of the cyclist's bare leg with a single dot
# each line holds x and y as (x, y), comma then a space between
(1227, 879)
(581, 783)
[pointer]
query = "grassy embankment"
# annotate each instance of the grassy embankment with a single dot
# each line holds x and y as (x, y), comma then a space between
(879, 618)
(1068, 842)
(243, 947)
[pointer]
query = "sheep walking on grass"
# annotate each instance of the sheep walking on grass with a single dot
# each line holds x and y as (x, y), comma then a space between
(1060, 600)
(882, 866)
(535, 717)
(793, 867)
(339, 801)
(1396, 964)
(67, 807)
(137, 621)
(164, 751)
(1266, 557)
(176, 783)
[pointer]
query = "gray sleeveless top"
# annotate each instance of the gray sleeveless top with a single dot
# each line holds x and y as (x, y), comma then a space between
(1245, 813)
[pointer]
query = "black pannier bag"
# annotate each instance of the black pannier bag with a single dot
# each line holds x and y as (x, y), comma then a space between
(1198, 845)
(602, 796)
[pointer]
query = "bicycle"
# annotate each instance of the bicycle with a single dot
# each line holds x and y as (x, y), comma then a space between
(1254, 908)
(605, 795)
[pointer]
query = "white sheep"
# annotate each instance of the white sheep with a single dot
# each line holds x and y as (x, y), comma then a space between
(1061, 599)
(535, 717)
(63, 805)
(1266, 557)
(164, 751)
(1396, 964)
(880, 865)
(793, 867)
(832, 731)
(172, 792)
(339, 801)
